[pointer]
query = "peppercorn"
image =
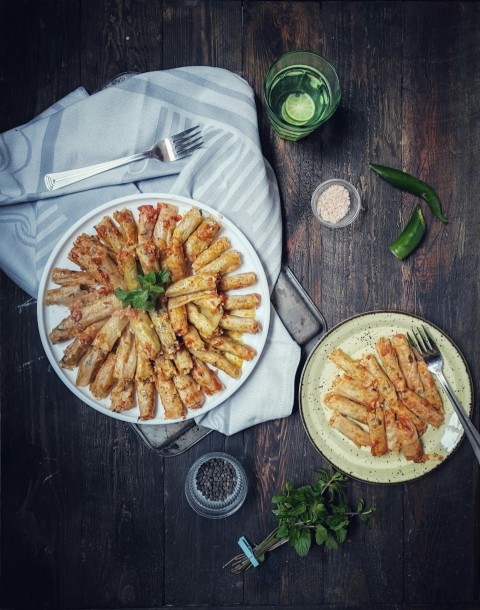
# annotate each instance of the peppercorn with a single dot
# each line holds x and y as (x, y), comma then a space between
(216, 479)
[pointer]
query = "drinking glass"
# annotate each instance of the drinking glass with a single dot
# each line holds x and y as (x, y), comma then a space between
(301, 91)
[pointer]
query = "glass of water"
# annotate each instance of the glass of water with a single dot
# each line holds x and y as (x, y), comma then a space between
(301, 91)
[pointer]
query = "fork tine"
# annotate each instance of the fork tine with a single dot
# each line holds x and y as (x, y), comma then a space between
(188, 147)
(420, 343)
(429, 338)
(183, 134)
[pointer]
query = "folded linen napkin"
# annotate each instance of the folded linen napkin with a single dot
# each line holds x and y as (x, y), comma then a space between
(228, 173)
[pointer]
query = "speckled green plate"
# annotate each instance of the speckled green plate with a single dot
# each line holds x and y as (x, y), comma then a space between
(357, 336)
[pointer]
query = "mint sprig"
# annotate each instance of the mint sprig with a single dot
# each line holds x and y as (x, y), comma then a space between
(152, 284)
(316, 512)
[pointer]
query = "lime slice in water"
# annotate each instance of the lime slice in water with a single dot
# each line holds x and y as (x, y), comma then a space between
(298, 108)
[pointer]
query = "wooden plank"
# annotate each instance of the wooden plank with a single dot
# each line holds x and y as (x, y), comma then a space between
(200, 33)
(323, 261)
(440, 136)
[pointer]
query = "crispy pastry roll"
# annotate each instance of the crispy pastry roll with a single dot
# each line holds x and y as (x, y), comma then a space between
(376, 429)
(122, 396)
(402, 411)
(350, 388)
(146, 399)
(213, 315)
(128, 266)
(389, 360)
(352, 368)
(410, 444)
(147, 218)
(384, 385)
(211, 304)
(73, 352)
(89, 364)
(146, 338)
(190, 393)
(350, 429)
(104, 379)
(187, 225)
(240, 280)
(110, 332)
(407, 362)
(144, 383)
(219, 246)
(224, 343)
(430, 390)
(183, 361)
(217, 360)
(193, 283)
(108, 232)
(173, 407)
(422, 408)
(175, 260)
(79, 320)
(244, 325)
(205, 377)
(126, 361)
(230, 261)
(201, 238)
(393, 443)
(189, 298)
(346, 407)
(128, 226)
(241, 301)
(95, 258)
(147, 257)
(165, 225)
(69, 277)
(204, 325)
(164, 330)
(84, 298)
(63, 295)
(167, 366)
(178, 319)
(192, 339)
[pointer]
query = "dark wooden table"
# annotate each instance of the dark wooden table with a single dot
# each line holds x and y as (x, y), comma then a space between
(90, 517)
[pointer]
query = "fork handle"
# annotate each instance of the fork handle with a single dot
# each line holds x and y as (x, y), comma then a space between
(472, 433)
(58, 180)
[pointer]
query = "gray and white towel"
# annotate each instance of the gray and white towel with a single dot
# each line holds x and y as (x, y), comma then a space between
(228, 173)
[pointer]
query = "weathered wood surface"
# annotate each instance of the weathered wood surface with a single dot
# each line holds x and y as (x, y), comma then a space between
(90, 517)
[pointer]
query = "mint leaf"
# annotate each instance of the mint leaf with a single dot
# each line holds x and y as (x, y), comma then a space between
(321, 534)
(120, 293)
(140, 299)
(303, 543)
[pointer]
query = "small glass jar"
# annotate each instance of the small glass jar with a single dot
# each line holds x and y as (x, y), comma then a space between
(233, 493)
(353, 210)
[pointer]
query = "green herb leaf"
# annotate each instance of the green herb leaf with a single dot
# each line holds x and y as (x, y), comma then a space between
(319, 509)
(303, 543)
(152, 284)
(321, 534)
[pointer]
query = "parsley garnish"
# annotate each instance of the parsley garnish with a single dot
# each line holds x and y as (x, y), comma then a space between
(152, 284)
(312, 512)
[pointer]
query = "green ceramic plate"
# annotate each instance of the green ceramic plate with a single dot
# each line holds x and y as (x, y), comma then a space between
(357, 336)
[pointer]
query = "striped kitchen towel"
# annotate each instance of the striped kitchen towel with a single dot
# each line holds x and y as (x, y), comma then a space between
(228, 173)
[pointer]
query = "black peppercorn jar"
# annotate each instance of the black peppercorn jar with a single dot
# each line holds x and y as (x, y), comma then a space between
(216, 485)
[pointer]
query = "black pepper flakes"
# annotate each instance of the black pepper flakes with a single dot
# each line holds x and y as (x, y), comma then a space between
(216, 479)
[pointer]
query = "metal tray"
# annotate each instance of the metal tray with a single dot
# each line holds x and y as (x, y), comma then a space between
(305, 324)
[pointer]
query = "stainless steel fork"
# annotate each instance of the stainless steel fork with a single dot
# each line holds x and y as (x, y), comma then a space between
(434, 361)
(169, 149)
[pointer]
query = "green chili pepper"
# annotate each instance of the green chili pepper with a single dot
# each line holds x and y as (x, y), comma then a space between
(413, 185)
(411, 235)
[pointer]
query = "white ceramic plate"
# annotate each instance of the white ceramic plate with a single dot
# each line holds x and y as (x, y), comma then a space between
(49, 317)
(357, 336)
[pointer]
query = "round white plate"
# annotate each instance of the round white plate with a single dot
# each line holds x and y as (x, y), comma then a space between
(49, 317)
(357, 336)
